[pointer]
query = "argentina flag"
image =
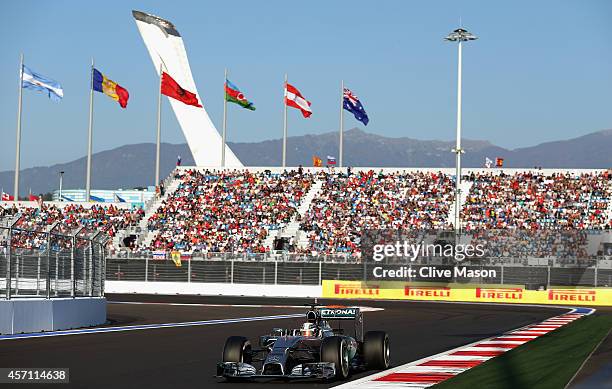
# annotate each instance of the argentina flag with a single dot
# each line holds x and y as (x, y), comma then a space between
(35, 81)
(352, 104)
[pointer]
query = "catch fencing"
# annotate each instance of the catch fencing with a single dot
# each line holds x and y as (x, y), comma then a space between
(51, 263)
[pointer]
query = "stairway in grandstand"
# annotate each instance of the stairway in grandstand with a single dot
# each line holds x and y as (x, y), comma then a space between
(5, 222)
(609, 209)
(465, 187)
(595, 199)
(144, 235)
(292, 229)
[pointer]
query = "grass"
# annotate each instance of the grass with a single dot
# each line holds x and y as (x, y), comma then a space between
(549, 361)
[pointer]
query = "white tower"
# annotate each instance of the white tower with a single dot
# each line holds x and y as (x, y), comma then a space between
(166, 48)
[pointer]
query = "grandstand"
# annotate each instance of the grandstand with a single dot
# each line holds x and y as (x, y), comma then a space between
(66, 218)
(325, 211)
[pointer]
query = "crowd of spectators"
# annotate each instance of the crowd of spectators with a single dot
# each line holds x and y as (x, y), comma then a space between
(347, 206)
(226, 211)
(523, 244)
(234, 210)
(538, 201)
(35, 221)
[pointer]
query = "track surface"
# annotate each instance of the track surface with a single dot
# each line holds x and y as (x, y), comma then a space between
(186, 357)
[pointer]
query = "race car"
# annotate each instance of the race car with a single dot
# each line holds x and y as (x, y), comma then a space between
(314, 351)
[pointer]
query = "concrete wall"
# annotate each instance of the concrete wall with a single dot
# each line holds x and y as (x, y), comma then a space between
(26, 315)
(212, 289)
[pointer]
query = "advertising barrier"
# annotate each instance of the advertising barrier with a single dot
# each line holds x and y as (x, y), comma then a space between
(391, 290)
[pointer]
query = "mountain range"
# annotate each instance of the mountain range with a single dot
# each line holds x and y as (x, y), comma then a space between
(132, 165)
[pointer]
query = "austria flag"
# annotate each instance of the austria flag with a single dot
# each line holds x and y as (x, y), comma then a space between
(294, 98)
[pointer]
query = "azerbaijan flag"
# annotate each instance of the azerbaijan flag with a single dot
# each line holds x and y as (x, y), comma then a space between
(233, 95)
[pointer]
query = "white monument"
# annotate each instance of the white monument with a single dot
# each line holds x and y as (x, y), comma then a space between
(166, 48)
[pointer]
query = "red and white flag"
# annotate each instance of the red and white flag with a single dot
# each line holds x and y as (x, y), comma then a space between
(7, 197)
(294, 98)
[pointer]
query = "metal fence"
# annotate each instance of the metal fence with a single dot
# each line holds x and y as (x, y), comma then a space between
(51, 264)
(237, 270)
(279, 255)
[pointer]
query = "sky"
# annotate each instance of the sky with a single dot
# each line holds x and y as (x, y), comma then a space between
(540, 71)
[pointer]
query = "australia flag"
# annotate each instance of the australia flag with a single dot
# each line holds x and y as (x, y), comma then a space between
(353, 105)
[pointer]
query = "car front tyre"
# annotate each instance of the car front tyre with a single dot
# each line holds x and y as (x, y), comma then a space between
(237, 349)
(335, 349)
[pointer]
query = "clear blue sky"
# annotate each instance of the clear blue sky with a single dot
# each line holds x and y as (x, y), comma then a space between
(541, 70)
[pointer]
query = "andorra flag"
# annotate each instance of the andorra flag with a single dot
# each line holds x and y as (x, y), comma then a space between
(110, 88)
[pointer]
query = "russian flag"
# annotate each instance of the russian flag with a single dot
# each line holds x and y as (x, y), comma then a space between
(331, 160)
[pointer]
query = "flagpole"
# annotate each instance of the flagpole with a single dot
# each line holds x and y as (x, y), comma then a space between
(18, 142)
(158, 142)
(90, 135)
(285, 124)
(341, 124)
(224, 120)
(458, 149)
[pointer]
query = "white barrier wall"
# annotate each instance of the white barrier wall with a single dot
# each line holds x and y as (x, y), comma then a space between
(212, 289)
(26, 315)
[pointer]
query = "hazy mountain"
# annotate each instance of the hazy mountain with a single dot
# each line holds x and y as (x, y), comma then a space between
(133, 165)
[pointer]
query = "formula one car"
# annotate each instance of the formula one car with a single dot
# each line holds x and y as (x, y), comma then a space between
(314, 351)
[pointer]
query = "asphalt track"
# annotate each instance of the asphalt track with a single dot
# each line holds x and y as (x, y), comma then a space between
(185, 357)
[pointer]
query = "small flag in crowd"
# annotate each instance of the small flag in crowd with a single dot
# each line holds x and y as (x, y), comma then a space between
(37, 82)
(110, 88)
(488, 162)
(172, 89)
(352, 104)
(159, 254)
(233, 95)
(7, 197)
(178, 161)
(294, 98)
(331, 160)
(31, 197)
(176, 258)
(499, 162)
(316, 161)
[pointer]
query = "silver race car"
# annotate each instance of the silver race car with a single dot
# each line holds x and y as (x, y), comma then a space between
(315, 351)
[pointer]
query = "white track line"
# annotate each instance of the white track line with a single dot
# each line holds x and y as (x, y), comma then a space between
(361, 308)
(100, 330)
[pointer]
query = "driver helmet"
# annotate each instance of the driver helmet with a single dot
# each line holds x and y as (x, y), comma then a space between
(307, 329)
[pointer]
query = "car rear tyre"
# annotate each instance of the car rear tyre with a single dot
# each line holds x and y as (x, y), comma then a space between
(237, 349)
(335, 349)
(376, 351)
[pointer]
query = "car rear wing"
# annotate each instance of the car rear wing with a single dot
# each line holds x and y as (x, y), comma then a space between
(339, 313)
